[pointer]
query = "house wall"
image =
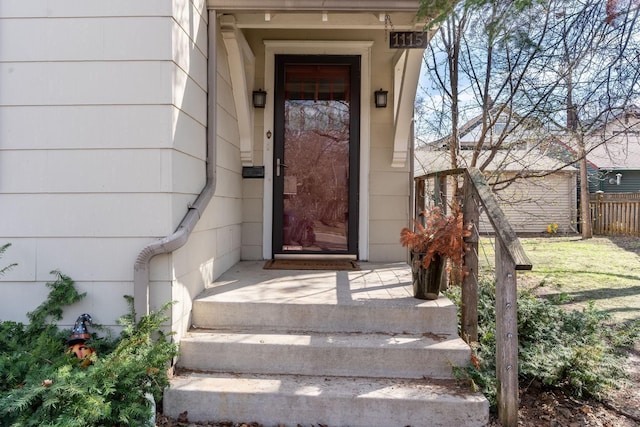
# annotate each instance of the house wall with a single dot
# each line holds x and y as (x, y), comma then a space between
(215, 244)
(615, 148)
(102, 148)
(388, 187)
(533, 203)
(629, 181)
(593, 179)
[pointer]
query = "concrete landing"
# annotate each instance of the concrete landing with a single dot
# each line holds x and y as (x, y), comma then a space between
(378, 298)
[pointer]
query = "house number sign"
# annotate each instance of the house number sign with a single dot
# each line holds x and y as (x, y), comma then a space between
(408, 40)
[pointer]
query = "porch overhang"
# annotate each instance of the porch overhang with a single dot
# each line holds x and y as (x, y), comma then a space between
(322, 14)
(315, 5)
(379, 15)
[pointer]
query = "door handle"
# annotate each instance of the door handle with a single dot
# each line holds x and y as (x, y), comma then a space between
(279, 164)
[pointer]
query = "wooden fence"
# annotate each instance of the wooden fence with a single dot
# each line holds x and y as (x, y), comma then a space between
(615, 214)
(509, 257)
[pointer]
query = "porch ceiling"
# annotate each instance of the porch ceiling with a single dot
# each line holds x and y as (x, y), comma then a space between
(327, 20)
(324, 14)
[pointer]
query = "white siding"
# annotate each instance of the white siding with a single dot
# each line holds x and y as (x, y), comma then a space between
(253, 191)
(389, 213)
(389, 208)
(95, 38)
(532, 204)
(85, 83)
(215, 243)
(85, 127)
(388, 187)
(83, 9)
(102, 148)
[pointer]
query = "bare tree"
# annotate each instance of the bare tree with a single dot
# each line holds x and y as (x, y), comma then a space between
(598, 61)
(529, 74)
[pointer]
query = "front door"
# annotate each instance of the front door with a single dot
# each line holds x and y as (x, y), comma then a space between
(316, 153)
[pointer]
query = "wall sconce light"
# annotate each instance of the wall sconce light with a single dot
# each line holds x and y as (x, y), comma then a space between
(381, 98)
(259, 98)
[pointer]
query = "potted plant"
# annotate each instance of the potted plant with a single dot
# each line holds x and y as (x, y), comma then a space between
(440, 238)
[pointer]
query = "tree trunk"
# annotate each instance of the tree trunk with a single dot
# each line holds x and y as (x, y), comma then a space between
(585, 211)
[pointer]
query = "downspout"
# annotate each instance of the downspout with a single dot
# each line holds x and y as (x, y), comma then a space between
(180, 237)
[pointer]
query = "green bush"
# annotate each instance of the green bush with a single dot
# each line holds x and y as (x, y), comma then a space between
(579, 351)
(42, 385)
(3, 249)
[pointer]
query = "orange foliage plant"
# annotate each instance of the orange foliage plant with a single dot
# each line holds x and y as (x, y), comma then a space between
(441, 235)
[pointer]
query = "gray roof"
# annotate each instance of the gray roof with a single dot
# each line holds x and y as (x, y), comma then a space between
(429, 160)
(620, 151)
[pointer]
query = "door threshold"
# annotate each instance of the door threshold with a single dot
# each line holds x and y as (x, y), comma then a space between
(316, 256)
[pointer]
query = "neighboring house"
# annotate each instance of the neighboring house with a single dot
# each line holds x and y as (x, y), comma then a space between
(546, 196)
(133, 160)
(614, 156)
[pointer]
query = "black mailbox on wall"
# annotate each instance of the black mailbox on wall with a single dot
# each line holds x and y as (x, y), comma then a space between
(253, 171)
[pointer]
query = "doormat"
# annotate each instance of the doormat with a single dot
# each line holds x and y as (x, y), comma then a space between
(311, 264)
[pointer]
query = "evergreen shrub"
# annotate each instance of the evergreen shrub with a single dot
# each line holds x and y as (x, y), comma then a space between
(42, 385)
(579, 351)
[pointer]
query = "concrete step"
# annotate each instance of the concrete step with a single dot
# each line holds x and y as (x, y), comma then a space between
(323, 349)
(330, 401)
(390, 316)
(334, 354)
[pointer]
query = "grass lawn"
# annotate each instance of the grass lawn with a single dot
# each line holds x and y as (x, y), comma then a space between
(603, 270)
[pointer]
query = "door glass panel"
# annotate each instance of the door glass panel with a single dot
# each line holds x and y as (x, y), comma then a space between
(316, 158)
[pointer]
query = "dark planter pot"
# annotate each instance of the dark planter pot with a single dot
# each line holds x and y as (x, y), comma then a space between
(427, 281)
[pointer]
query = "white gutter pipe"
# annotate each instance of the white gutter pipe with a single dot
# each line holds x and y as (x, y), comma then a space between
(180, 237)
